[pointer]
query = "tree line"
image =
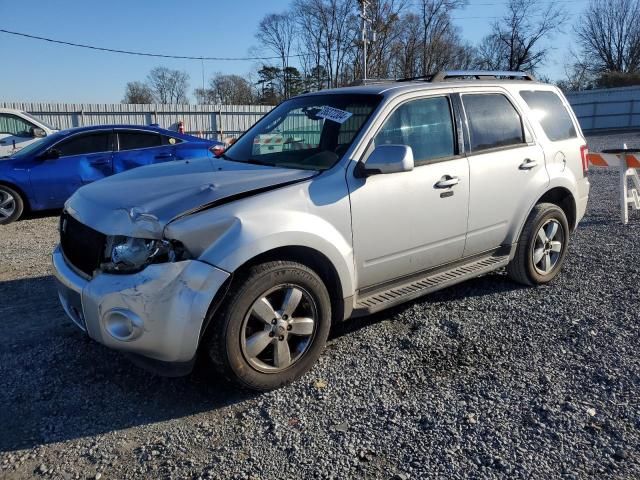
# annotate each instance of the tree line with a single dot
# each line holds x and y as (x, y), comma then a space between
(319, 44)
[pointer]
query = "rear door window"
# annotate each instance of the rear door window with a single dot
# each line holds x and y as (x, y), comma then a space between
(425, 125)
(553, 116)
(85, 144)
(493, 121)
(133, 140)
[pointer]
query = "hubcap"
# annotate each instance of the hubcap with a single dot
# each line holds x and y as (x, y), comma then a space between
(279, 328)
(7, 205)
(547, 248)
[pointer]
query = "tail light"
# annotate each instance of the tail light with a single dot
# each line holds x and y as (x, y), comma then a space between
(584, 155)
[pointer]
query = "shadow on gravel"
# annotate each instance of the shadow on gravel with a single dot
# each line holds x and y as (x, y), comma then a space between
(490, 284)
(57, 385)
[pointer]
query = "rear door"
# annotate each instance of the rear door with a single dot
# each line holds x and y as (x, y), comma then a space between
(84, 158)
(506, 168)
(139, 147)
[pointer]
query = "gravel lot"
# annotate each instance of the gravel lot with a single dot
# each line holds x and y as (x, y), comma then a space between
(485, 379)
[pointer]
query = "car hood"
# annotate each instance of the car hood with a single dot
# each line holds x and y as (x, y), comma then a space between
(142, 201)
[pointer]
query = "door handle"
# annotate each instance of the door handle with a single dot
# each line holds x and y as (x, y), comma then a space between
(163, 155)
(528, 164)
(447, 182)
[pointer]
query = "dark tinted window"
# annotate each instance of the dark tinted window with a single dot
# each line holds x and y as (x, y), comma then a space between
(133, 140)
(493, 121)
(84, 144)
(551, 113)
(425, 125)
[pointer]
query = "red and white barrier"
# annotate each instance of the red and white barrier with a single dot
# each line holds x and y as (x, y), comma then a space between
(627, 162)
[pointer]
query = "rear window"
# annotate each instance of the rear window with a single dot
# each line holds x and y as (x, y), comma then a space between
(135, 140)
(553, 116)
(493, 121)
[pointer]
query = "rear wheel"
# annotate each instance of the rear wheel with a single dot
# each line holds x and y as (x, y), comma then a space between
(272, 327)
(11, 205)
(542, 246)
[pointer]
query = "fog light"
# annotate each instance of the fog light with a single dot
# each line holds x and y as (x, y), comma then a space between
(123, 325)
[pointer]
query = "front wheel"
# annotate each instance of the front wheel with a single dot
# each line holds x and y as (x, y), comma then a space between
(11, 205)
(542, 246)
(272, 327)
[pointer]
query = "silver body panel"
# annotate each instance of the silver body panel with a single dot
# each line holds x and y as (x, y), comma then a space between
(372, 230)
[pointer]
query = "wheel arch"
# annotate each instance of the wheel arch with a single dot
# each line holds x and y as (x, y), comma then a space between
(559, 195)
(564, 199)
(310, 257)
(20, 191)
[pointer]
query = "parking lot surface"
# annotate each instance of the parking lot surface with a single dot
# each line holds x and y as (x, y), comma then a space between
(484, 379)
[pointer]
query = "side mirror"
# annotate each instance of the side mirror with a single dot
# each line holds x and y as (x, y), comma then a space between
(387, 159)
(51, 154)
(38, 132)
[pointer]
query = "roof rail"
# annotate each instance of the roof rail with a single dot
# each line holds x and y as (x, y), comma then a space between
(371, 81)
(482, 75)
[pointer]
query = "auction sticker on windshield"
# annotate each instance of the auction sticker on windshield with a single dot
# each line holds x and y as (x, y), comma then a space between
(334, 114)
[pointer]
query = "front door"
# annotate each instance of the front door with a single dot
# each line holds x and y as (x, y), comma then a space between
(407, 222)
(83, 158)
(507, 171)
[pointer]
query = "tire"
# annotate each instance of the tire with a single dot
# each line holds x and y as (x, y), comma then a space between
(537, 262)
(11, 205)
(248, 348)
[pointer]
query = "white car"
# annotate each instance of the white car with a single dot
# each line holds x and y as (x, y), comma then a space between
(19, 129)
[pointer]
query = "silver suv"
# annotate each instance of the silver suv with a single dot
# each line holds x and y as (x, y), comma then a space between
(336, 204)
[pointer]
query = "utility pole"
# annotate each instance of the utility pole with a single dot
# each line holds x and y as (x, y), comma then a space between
(365, 39)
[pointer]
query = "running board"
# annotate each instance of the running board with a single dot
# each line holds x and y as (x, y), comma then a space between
(403, 292)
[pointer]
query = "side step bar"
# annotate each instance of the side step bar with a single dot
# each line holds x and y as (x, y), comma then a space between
(403, 292)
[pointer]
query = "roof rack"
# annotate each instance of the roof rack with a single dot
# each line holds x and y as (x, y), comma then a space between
(475, 74)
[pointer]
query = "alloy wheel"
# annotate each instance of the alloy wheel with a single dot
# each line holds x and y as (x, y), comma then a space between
(7, 205)
(548, 245)
(279, 328)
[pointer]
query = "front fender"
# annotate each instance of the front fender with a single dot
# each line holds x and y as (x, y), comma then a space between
(238, 240)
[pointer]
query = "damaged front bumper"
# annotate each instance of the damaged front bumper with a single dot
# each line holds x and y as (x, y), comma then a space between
(157, 313)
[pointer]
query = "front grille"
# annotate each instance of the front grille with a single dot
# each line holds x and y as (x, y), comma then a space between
(82, 246)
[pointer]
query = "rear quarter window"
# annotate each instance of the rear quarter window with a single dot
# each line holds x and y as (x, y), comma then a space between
(551, 113)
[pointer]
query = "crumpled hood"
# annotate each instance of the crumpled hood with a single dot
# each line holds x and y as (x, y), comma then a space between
(142, 201)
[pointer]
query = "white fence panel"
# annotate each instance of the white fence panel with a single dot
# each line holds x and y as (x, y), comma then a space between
(207, 121)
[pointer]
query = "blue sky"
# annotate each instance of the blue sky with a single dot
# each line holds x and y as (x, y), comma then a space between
(39, 71)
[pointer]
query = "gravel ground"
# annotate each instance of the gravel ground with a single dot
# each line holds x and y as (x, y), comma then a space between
(484, 380)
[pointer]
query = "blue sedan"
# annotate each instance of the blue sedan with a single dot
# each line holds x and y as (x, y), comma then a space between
(44, 174)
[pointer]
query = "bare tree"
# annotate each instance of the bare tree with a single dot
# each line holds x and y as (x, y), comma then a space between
(169, 86)
(516, 42)
(334, 26)
(137, 92)
(438, 32)
(226, 90)
(609, 34)
(277, 32)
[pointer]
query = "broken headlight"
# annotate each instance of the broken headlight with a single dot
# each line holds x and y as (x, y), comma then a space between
(130, 255)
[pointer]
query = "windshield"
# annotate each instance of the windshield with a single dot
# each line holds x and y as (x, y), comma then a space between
(42, 122)
(309, 132)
